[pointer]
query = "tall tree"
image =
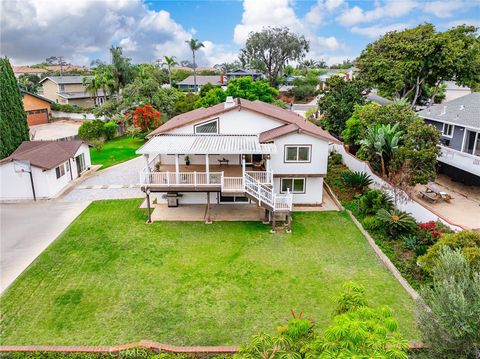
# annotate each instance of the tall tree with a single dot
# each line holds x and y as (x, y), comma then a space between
(13, 119)
(401, 63)
(271, 49)
(194, 45)
(92, 85)
(338, 102)
(169, 61)
(122, 69)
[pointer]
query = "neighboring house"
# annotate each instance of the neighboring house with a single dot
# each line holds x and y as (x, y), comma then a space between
(239, 73)
(43, 168)
(289, 82)
(67, 68)
(22, 70)
(453, 91)
(37, 108)
(379, 100)
(236, 152)
(70, 90)
(459, 122)
(202, 80)
(346, 74)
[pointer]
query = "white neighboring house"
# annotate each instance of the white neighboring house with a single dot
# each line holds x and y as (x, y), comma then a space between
(237, 152)
(42, 167)
(454, 91)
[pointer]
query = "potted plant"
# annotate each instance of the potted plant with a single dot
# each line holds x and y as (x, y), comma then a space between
(187, 160)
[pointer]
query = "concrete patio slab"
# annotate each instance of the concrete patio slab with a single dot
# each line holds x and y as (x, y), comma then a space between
(55, 130)
(218, 212)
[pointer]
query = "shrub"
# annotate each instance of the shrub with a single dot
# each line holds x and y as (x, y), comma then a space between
(357, 180)
(146, 118)
(91, 130)
(371, 201)
(371, 223)
(335, 158)
(69, 108)
(468, 242)
(396, 222)
(352, 297)
(450, 325)
(98, 143)
(134, 132)
(110, 129)
(303, 92)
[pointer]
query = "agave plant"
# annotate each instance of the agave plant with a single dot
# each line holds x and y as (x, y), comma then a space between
(357, 180)
(396, 222)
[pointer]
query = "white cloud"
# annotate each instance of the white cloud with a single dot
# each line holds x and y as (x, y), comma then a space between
(378, 30)
(445, 9)
(317, 13)
(389, 9)
(327, 43)
(261, 13)
(81, 30)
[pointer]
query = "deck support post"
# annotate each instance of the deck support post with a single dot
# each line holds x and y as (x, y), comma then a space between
(207, 168)
(149, 215)
(273, 223)
(147, 162)
(177, 169)
(289, 222)
(208, 220)
(243, 165)
(266, 220)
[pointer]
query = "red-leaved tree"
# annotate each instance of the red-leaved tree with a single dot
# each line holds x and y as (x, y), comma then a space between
(146, 118)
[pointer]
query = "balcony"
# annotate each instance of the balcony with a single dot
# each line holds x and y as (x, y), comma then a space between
(464, 161)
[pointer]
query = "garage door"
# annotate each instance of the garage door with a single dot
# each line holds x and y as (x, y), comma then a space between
(37, 117)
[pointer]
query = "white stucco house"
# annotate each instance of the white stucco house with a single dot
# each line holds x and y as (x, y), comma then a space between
(239, 151)
(42, 169)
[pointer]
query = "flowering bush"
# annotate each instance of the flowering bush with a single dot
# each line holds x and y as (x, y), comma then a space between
(146, 118)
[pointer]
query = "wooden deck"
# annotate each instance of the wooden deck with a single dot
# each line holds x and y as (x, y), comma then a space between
(228, 170)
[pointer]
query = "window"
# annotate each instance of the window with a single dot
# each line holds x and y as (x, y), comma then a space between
(295, 185)
(297, 153)
(207, 127)
(447, 130)
(62, 87)
(60, 171)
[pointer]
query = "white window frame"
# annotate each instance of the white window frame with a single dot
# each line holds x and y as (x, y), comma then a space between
(205, 123)
(298, 150)
(61, 171)
(293, 180)
(445, 126)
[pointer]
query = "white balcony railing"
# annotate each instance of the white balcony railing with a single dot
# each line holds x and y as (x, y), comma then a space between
(462, 160)
(257, 184)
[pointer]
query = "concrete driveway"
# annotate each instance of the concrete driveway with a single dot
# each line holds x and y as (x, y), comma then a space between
(55, 130)
(27, 229)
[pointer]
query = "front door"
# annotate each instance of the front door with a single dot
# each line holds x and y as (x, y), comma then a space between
(80, 162)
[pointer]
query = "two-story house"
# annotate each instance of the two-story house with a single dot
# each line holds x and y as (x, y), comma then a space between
(70, 90)
(239, 151)
(459, 122)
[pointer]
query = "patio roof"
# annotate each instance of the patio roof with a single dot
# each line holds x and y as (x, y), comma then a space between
(206, 144)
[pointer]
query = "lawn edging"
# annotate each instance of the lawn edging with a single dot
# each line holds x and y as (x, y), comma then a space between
(385, 260)
(142, 344)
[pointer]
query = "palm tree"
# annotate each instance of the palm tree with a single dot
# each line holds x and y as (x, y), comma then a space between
(170, 62)
(194, 45)
(383, 141)
(91, 86)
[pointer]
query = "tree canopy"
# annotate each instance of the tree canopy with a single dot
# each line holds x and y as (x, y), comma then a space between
(13, 119)
(271, 49)
(401, 63)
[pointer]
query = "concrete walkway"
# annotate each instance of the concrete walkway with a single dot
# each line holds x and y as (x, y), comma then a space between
(116, 182)
(27, 229)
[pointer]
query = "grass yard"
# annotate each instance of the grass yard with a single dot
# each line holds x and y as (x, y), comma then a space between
(110, 279)
(116, 151)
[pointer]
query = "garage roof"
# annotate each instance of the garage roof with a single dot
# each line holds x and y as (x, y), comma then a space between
(206, 144)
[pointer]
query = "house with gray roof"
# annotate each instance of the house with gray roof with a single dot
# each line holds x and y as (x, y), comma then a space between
(202, 80)
(239, 73)
(70, 90)
(458, 121)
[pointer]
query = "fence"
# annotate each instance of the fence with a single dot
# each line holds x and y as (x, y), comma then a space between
(408, 204)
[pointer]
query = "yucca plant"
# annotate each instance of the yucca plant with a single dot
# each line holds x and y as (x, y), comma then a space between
(396, 222)
(357, 180)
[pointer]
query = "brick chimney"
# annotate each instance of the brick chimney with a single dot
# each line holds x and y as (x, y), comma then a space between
(229, 102)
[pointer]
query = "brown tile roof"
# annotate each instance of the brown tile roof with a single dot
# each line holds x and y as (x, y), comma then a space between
(27, 69)
(257, 106)
(45, 154)
(277, 132)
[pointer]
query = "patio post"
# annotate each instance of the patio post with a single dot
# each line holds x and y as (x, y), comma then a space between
(208, 220)
(146, 162)
(243, 165)
(207, 168)
(177, 169)
(147, 192)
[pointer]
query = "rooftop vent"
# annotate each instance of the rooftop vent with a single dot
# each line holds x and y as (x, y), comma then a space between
(229, 102)
(462, 107)
(444, 111)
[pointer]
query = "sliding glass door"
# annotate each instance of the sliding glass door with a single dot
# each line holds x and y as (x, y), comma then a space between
(471, 144)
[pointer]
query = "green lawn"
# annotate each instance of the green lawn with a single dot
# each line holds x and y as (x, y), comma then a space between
(110, 278)
(118, 150)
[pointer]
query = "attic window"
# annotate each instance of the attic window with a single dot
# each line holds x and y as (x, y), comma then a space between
(207, 127)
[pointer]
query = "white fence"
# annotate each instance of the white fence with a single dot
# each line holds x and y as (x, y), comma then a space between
(421, 213)
(76, 116)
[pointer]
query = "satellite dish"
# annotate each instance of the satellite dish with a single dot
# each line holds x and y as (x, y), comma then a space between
(22, 166)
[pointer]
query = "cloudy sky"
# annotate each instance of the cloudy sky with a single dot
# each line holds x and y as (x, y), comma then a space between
(82, 30)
